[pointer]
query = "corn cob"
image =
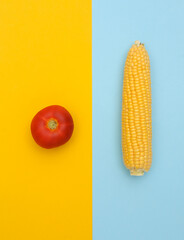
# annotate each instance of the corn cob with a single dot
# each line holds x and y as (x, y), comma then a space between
(136, 111)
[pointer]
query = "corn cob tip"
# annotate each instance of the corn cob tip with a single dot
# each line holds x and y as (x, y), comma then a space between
(138, 43)
(136, 172)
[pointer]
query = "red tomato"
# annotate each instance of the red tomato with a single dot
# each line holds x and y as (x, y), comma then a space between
(52, 126)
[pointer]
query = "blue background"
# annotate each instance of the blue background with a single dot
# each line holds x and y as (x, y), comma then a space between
(152, 206)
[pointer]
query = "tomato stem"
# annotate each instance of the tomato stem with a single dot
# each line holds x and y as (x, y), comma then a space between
(52, 124)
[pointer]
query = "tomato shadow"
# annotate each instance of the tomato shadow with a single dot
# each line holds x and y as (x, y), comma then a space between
(46, 156)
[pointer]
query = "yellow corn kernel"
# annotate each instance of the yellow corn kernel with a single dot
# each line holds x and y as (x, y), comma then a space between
(136, 111)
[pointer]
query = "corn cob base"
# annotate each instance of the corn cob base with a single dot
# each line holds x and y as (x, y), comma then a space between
(136, 111)
(136, 172)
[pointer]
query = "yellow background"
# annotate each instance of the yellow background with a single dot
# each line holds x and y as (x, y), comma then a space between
(45, 59)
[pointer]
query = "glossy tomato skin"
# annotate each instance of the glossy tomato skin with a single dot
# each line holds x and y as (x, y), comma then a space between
(62, 131)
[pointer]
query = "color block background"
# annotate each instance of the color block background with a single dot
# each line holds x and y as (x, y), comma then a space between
(149, 207)
(45, 59)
